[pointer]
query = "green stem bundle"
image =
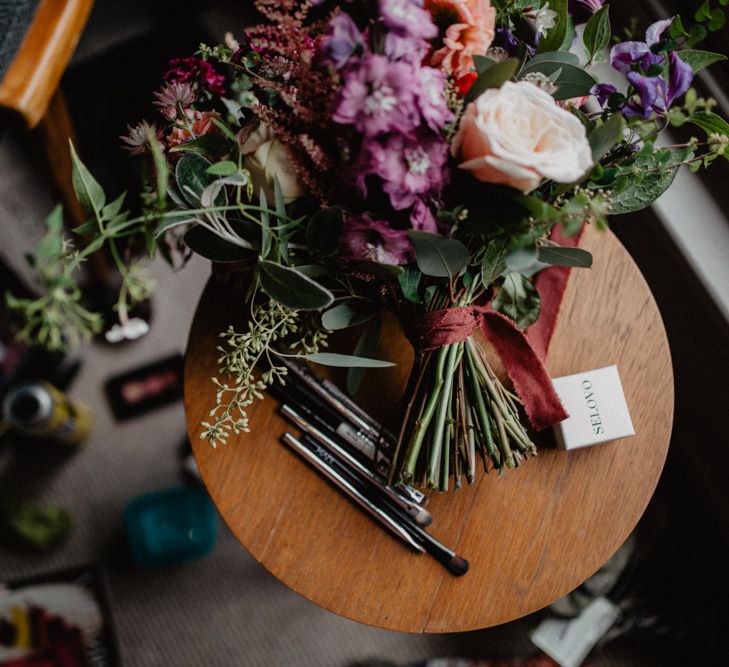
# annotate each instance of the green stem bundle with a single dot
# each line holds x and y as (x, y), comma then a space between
(458, 411)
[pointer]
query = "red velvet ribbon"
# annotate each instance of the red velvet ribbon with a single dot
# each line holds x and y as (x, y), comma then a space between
(522, 354)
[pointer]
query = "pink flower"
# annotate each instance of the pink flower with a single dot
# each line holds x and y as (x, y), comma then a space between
(471, 28)
(368, 240)
(516, 135)
(202, 123)
(137, 138)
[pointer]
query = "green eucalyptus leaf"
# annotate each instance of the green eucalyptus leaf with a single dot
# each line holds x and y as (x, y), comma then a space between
(597, 31)
(699, 60)
(493, 77)
(518, 300)
(210, 246)
(366, 346)
(192, 177)
(605, 136)
(346, 360)
(482, 63)
(554, 39)
(265, 225)
(349, 313)
(324, 230)
(292, 288)
(312, 270)
(521, 258)
(224, 168)
(562, 57)
(556, 255)
(493, 263)
(571, 80)
(409, 281)
(439, 256)
(88, 191)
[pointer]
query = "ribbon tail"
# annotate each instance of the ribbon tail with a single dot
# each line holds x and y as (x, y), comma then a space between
(525, 369)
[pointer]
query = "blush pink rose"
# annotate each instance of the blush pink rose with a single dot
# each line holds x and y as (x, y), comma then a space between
(517, 135)
(471, 28)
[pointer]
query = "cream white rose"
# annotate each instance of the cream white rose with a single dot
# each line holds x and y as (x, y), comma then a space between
(266, 159)
(517, 135)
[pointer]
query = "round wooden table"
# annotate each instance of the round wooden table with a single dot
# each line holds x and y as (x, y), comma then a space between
(530, 537)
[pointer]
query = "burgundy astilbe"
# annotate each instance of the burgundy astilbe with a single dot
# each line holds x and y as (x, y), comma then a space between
(301, 113)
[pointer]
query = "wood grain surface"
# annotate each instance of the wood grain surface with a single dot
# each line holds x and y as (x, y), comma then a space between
(530, 537)
(35, 73)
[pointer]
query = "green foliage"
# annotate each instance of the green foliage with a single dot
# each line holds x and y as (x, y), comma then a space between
(493, 263)
(346, 360)
(409, 280)
(605, 136)
(324, 230)
(551, 253)
(518, 299)
(570, 79)
(555, 38)
(493, 77)
(597, 32)
(348, 313)
(57, 318)
(699, 60)
(365, 347)
(438, 256)
(292, 288)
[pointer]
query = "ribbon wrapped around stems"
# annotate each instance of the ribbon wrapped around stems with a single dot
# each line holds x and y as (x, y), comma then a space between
(439, 328)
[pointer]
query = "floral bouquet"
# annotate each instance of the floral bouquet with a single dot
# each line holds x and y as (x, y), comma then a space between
(428, 157)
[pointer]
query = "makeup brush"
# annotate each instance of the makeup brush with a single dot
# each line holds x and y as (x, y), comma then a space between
(455, 564)
(420, 515)
(316, 456)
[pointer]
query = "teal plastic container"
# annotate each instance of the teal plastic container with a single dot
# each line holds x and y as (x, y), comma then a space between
(170, 526)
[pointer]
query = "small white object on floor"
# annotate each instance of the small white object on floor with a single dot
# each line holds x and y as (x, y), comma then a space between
(132, 329)
(598, 411)
(569, 642)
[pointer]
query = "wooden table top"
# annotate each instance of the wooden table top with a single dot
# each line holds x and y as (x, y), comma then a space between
(530, 537)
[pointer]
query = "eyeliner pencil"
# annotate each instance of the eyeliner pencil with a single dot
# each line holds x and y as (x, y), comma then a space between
(420, 515)
(324, 464)
(455, 564)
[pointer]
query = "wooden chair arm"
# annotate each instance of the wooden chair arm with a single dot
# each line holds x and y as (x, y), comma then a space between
(36, 71)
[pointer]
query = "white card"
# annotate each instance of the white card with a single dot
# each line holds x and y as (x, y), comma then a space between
(569, 642)
(598, 411)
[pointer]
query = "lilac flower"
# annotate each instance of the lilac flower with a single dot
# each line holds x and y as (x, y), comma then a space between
(642, 67)
(410, 166)
(422, 218)
(408, 18)
(344, 40)
(582, 10)
(403, 47)
(431, 98)
(368, 240)
(378, 96)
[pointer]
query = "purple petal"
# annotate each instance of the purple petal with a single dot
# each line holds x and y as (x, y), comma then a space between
(651, 90)
(655, 30)
(626, 54)
(680, 78)
(602, 92)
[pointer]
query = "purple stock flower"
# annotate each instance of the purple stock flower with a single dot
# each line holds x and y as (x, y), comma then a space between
(408, 18)
(431, 98)
(410, 166)
(368, 240)
(582, 10)
(404, 47)
(378, 96)
(344, 40)
(422, 218)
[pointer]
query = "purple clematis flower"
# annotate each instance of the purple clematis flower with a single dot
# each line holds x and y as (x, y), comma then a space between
(408, 18)
(368, 240)
(378, 96)
(504, 39)
(602, 92)
(343, 41)
(637, 60)
(582, 10)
